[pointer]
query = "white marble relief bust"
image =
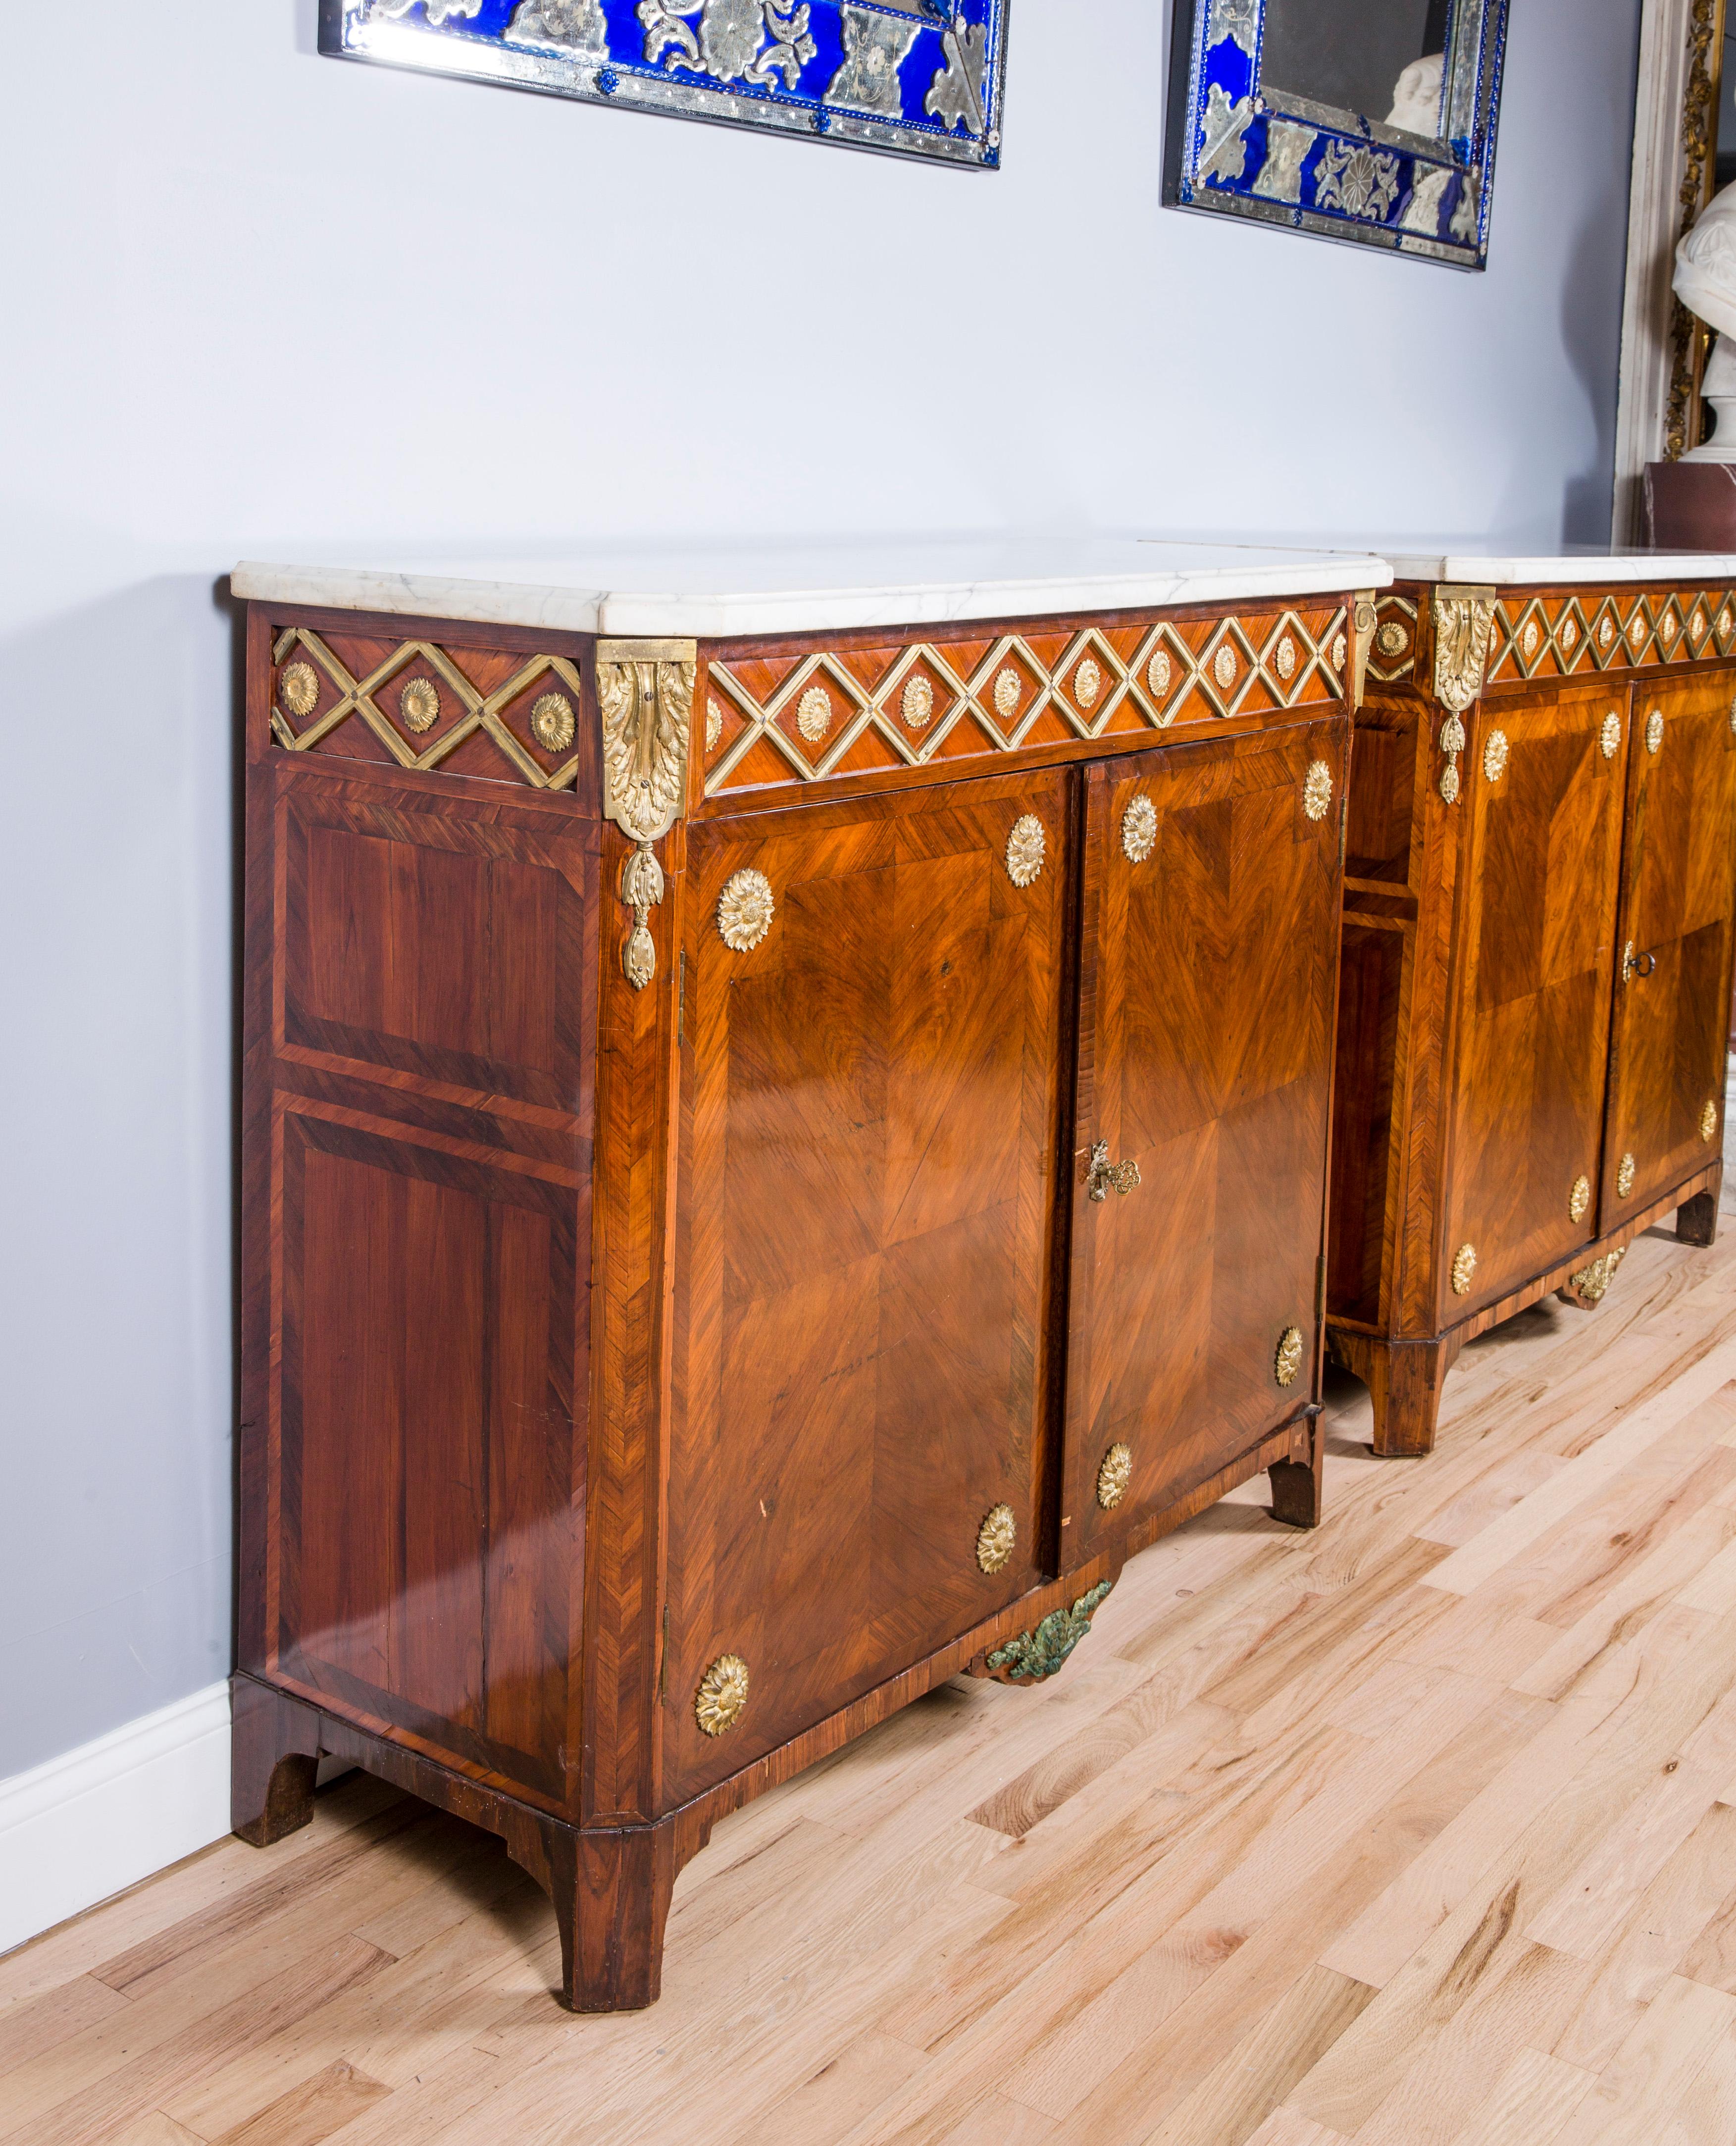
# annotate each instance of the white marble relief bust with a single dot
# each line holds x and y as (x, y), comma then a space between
(1705, 281)
(1416, 97)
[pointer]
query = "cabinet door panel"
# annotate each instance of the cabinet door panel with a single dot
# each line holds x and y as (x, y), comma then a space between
(1668, 1055)
(1539, 870)
(1208, 977)
(424, 1489)
(865, 1208)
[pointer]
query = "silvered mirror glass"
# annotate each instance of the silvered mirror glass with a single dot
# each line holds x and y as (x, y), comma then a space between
(1367, 120)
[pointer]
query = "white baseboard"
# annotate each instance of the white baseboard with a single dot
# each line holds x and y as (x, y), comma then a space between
(96, 1820)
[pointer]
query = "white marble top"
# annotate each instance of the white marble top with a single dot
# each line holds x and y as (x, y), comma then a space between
(723, 593)
(1499, 570)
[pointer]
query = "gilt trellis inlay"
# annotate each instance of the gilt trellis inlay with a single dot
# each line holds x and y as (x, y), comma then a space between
(1580, 632)
(1006, 687)
(344, 698)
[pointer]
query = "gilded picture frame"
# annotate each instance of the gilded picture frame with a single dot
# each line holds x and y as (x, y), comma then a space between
(1264, 124)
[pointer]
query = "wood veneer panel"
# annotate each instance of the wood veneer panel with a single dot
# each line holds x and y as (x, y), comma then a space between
(417, 941)
(417, 1287)
(421, 1069)
(1535, 964)
(1208, 973)
(867, 1186)
(1375, 959)
(1668, 1054)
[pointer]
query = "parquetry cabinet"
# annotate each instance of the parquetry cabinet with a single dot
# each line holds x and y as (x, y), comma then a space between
(1537, 951)
(774, 1161)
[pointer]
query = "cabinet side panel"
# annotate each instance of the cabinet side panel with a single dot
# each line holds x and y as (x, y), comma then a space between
(417, 1098)
(527, 1581)
(1383, 786)
(416, 1285)
(1371, 986)
(255, 1430)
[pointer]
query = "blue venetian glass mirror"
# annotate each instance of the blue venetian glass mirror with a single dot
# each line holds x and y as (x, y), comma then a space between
(1370, 120)
(918, 76)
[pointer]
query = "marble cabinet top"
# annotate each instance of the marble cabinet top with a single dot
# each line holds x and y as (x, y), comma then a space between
(1501, 570)
(725, 593)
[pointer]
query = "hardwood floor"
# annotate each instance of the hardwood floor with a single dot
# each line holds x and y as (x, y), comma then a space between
(1417, 1831)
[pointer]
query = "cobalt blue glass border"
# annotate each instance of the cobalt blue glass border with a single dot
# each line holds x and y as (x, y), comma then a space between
(1235, 147)
(940, 99)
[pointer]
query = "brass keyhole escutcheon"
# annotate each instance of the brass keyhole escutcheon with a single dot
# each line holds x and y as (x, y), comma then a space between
(1103, 1174)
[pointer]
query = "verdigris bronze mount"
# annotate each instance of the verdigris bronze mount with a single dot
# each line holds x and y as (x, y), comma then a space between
(1031, 1657)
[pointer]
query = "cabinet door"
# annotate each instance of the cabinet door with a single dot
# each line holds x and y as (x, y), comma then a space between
(1667, 1084)
(1539, 865)
(865, 1210)
(1208, 973)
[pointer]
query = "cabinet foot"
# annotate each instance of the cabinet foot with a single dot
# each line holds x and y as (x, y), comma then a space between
(610, 1887)
(1296, 1484)
(1404, 1380)
(1697, 1219)
(610, 1893)
(274, 1745)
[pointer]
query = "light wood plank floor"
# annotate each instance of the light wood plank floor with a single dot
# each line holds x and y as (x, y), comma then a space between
(1417, 1831)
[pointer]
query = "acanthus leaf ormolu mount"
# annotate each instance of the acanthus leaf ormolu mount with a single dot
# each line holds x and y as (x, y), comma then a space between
(678, 1328)
(1537, 951)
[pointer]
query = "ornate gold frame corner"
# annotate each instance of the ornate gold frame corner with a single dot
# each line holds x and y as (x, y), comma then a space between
(1689, 338)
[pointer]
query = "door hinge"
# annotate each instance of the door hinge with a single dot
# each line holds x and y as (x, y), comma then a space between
(1320, 1288)
(663, 1657)
(680, 1000)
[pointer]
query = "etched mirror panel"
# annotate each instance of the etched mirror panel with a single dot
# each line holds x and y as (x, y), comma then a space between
(1367, 120)
(919, 77)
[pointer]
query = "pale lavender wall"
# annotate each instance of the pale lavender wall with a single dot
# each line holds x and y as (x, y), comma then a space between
(257, 303)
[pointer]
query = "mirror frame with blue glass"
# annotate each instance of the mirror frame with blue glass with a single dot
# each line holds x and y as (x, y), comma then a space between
(918, 77)
(1237, 148)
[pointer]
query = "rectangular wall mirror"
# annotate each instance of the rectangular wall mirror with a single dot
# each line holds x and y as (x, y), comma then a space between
(917, 77)
(1369, 120)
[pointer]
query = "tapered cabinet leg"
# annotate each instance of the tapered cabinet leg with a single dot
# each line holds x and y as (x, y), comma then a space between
(611, 1893)
(1697, 1219)
(274, 1755)
(1296, 1482)
(1404, 1380)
